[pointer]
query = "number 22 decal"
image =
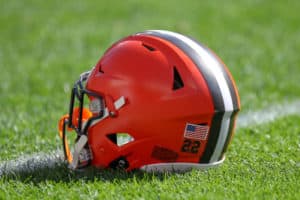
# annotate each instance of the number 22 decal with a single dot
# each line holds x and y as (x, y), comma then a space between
(190, 146)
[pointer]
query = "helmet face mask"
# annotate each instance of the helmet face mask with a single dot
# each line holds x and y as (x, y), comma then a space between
(80, 118)
(157, 101)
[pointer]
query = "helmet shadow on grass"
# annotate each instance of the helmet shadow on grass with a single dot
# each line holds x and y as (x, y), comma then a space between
(61, 173)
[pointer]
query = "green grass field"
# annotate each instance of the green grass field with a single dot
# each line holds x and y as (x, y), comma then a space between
(45, 45)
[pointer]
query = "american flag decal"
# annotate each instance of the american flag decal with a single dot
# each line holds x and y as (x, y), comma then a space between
(197, 132)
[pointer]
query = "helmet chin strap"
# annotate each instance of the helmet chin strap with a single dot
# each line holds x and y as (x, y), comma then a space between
(77, 149)
(81, 142)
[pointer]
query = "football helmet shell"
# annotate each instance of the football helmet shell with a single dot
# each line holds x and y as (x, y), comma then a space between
(171, 98)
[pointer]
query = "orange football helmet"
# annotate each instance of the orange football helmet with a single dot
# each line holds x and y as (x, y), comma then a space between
(158, 100)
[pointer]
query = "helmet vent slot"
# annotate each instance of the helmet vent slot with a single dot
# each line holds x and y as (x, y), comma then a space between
(177, 81)
(120, 139)
(100, 69)
(148, 47)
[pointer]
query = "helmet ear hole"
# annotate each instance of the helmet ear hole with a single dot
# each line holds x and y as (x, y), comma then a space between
(120, 139)
(177, 81)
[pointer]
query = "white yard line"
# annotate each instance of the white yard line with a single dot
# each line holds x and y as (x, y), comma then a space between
(268, 114)
(33, 162)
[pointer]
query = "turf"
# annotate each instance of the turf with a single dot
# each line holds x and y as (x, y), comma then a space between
(263, 163)
(44, 46)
